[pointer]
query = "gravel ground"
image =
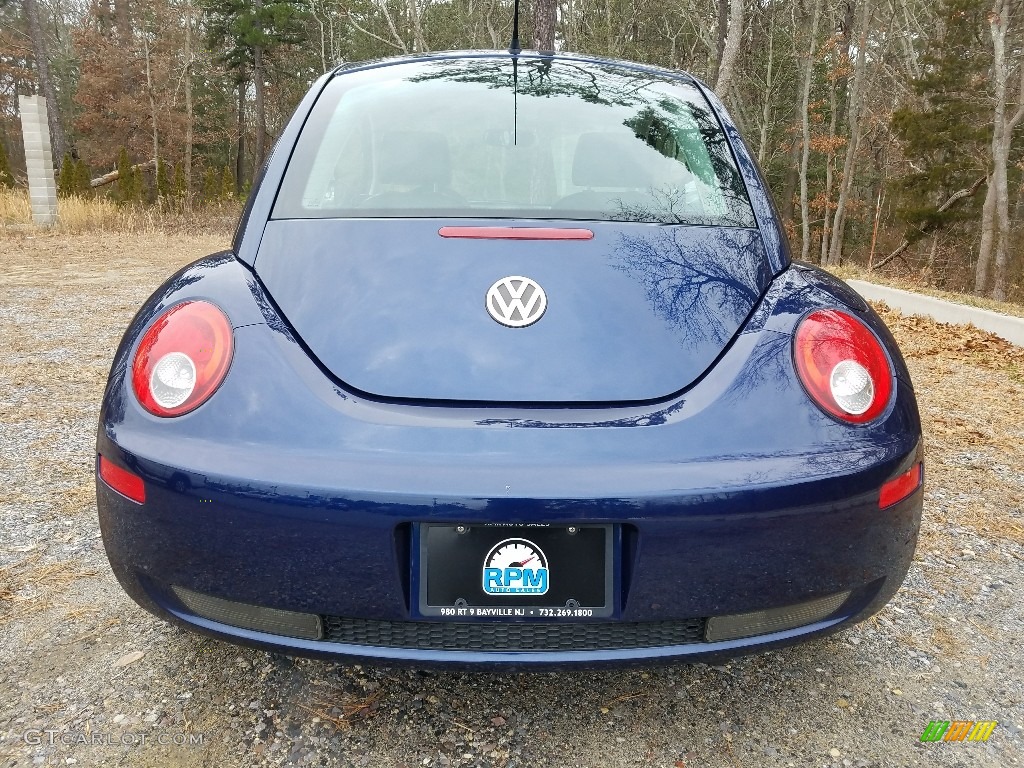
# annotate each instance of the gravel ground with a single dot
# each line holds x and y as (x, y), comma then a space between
(90, 679)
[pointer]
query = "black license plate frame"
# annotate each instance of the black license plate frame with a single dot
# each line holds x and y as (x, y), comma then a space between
(455, 578)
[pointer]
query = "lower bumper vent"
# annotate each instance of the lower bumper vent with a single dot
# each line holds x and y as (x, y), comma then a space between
(512, 636)
(524, 636)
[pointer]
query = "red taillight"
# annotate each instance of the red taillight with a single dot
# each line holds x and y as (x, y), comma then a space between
(122, 481)
(899, 488)
(182, 359)
(843, 366)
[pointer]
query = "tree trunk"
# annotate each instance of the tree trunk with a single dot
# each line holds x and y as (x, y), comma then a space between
(58, 139)
(419, 41)
(987, 238)
(722, 29)
(259, 81)
(240, 151)
(766, 106)
(931, 258)
(189, 117)
(846, 183)
(261, 114)
(830, 157)
(731, 49)
(109, 178)
(152, 97)
(805, 104)
(1002, 138)
(544, 16)
(792, 179)
(610, 39)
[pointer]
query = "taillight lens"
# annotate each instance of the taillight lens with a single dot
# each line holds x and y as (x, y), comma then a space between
(843, 366)
(121, 480)
(899, 488)
(182, 358)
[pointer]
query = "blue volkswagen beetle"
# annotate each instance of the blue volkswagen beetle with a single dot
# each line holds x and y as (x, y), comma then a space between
(509, 365)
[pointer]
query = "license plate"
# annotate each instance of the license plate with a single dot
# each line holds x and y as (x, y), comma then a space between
(515, 571)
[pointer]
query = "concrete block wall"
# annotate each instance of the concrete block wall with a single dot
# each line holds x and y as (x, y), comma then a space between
(42, 186)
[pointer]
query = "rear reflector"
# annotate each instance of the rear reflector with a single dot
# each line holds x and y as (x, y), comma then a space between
(274, 621)
(122, 481)
(899, 488)
(773, 620)
(516, 233)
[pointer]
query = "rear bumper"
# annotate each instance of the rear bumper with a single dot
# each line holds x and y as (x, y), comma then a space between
(510, 660)
(681, 557)
(287, 492)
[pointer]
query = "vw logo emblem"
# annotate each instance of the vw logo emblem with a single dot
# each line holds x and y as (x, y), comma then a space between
(516, 301)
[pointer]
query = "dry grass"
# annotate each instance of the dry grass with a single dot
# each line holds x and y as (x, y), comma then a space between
(970, 390)
(6, 587)
(30, 585)
(78, 215)
(14, 208)
(340, 709)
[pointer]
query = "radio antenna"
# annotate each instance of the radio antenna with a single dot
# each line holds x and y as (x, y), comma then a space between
(515, 48)
(515, 99)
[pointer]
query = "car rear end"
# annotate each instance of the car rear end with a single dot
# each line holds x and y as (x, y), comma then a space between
(650, 470)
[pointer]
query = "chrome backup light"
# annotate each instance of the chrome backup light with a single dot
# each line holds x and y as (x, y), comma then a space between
(739, 625)
(307, 626)
(173, 379)
(852, 387)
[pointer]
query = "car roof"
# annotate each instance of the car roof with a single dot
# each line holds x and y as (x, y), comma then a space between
(358, 66)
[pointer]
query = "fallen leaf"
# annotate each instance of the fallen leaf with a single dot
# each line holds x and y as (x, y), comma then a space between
(129, 658)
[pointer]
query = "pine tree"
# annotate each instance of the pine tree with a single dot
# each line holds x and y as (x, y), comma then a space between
(163, 180)
(249, 33)
(227, 183)
(6, 177)
(944, 139)
(211, 186)
(178, 183)
(66, 178)
(83, 178)
(129, 181)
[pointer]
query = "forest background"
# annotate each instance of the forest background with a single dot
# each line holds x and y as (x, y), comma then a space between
(888, 129)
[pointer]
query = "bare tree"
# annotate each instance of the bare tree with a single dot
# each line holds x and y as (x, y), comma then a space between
(805, 107)
(58, 138)
(260, 82)
(995, 223)
(853, 142)
(731, 46)
(189, 121)
(416, 11)
(148, 57)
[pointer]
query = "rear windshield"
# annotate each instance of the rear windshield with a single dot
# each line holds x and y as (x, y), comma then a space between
(489, 138)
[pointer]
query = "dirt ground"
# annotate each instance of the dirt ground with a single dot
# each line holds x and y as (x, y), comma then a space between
(90, 679)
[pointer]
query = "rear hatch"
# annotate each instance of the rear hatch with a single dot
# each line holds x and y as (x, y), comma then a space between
(394, 310)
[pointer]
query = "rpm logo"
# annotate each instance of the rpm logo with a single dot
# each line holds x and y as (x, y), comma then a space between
(515, 567)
